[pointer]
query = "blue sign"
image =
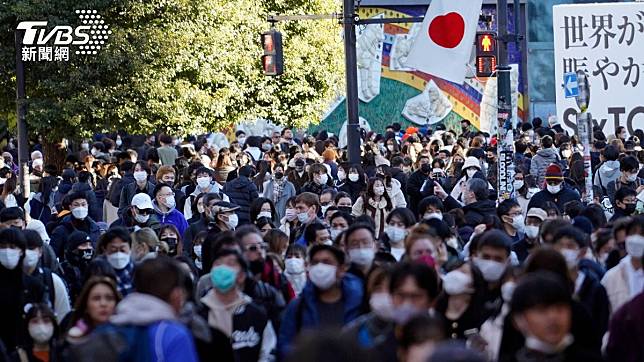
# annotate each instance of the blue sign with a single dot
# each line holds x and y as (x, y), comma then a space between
(571, 86)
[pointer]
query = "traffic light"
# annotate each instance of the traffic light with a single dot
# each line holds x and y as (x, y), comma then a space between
(273, 58)
(486, 54)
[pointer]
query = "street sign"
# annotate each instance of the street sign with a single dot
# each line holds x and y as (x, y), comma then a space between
(571, 86)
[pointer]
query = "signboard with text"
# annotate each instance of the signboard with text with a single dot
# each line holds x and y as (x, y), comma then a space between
(606, 41)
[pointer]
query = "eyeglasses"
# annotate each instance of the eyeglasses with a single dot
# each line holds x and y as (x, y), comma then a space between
(256, 247)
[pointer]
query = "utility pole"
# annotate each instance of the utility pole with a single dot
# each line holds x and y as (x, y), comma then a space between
(351, 66)
(505, 137)
(21, 110)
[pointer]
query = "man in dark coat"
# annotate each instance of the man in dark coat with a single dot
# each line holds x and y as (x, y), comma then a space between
(556, 190)
(242, 191)
(77, 220)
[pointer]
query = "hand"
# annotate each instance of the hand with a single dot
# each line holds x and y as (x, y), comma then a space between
(439, 191)
(640, 189)
(479, 229)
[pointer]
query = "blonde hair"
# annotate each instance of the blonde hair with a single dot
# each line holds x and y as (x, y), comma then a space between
(147, 237)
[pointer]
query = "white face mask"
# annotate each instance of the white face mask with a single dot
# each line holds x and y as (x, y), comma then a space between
(324, 179)
(265, 214)
(118, 143)
(353, 177)
(141, 219)
(325, 208)
(553, 189)
(323, 275)
(571, 257)
(631, 177)
(362, 256)
(456, 282)
(31, 258)
(294, 265)
(170, 202)
(9, 258)
(197, 250)
(470, 172)
(41, 332)
(382, 305)
(517, 184)
(433, 215)
(290, 214)
(203, 182)
(491, 270)
(395, 233)
(566, 153)
(303, 217)
(232, 222)
(507, 289)
(85, 146)
(80, 213)
(335, 232)
(531, 192)
(518, 223)
(531, 231)
(341, 175)
(635, 245)
(379, 191)
(140, 176)
(118, 260)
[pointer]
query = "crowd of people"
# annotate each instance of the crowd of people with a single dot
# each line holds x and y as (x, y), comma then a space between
(276, 248)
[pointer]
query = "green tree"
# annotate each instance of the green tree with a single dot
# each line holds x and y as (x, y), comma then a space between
(178, 66)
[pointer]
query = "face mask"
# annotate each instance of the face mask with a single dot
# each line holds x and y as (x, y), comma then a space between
(203, 182)
(635, 245)
(341, 175)
(379, 191)
(456, 282)
(232, 222)
(325, 208)
(41, 332)
(303, 217)
(402, 314)
(323, 179)
(531, 231)
(571, 257)
(518, 223)
(294, 265)
(197, 250)
(169, 202)
(471, 172)
(31, 258)
(566, 153)
(629, 209)
(631, 177)
(290, 214)
(119, 260)
(118, 143)
(362, 256)
(94, 151)
(9, 258)
(535, 344)
(353, 177)
(425, 168)
(80, 213)
(491, 270)
(531, 192)
(390, 148)
(553, 189)
(279, 175)
(266, 147)
(241, 140)
(517, 184)
(334, 233)
(85, 146)
(381, 305)
(323, 275)
(507, 289)
(141, 219)
(140, 176)
(265, 214)
(172, 245)
(395, 233)
(223, 277)
(433, 215)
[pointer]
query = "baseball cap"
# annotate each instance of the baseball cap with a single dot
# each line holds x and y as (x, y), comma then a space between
(142, 201)
(224, 206)
(538, 213)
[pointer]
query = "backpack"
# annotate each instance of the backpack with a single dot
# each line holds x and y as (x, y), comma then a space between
(111, 342)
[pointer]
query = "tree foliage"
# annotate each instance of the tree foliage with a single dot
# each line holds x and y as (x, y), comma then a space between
(181, 66)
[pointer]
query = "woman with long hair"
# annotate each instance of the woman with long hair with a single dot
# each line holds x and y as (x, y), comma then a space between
(43, 203)
(94, 306)
(374, 202)
(41, 332)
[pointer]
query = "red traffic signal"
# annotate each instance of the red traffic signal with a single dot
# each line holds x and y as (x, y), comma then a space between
(273, 58)
(486, 54)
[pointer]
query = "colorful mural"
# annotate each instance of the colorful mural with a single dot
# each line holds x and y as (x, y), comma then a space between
(396, 87)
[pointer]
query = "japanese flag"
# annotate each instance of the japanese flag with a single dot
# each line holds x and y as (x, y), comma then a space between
(444, 44)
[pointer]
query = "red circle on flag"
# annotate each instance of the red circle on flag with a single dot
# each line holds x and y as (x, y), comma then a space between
(447, 30)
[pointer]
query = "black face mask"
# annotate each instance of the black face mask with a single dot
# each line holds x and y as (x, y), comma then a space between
(629, 209)
(426, 168)
(346, 209)
(256, 266)
(279, 175)
(80, 258)
(490, 159)
(172, 245)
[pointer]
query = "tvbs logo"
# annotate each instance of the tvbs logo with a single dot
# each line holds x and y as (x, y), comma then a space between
(88, 38)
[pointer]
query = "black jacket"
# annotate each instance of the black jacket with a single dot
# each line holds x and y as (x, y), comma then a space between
(95, 210)
(475, 212)
(413, 190)
(128, 193)
(399, 175)
(192, 231)
(242, 191)
(593, 297)
(16, 290)
(354, 189)
(66, 227)
(560, 198)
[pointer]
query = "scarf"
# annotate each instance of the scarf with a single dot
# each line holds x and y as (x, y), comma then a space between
(278, 189)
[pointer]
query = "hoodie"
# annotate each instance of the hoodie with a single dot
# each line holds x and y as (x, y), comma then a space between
(242, 191)
(173, 217)
(168, 339)
(540, 162)
(607, 172)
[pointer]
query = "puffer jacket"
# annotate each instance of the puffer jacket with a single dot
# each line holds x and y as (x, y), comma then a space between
(540, 162)
(242, 191)
(396, 194)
